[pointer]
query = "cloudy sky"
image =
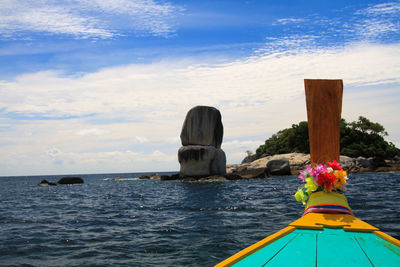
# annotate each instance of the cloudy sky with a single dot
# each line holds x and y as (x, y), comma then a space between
(103, 86)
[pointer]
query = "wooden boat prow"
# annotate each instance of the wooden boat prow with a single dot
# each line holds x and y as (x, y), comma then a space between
(318, 239)
(328, 234)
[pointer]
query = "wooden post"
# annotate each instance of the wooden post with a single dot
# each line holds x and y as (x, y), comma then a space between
(324, 108)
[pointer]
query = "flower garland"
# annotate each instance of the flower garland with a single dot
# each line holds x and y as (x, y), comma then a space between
(326, 178)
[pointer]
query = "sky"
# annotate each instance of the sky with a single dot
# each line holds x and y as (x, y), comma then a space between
(103, 86)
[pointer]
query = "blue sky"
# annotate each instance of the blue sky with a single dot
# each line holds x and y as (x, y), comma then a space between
(104, 86)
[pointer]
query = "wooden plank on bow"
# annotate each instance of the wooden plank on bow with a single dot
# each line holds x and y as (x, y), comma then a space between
(324, 108)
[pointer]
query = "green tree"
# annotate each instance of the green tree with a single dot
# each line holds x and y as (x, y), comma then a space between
(358, 138)
(365, 138)
(366, 126)
(293, 139)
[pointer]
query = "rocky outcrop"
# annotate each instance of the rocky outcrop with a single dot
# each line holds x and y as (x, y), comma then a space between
(63, 181)
(150, 176)
(297, 161)
(201, 154)
(362, 164)
(71, 180)
(183, 178)
(282, 164)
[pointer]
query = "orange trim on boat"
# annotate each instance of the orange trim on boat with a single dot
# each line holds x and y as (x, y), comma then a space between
(387, 238)
(257, 246)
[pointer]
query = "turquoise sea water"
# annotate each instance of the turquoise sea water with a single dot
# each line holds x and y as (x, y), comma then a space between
(162, 223)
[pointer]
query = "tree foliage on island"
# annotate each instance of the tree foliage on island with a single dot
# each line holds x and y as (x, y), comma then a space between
(359, 138)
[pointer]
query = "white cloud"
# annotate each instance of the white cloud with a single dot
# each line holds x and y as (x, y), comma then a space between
(382, 9)
(248, 144)
(164, 91)
(285, 21)
(377, 20)
(86, 19)
(372, 28)
(91, 132)
(374, 23)
(236, 149)
(141, 140)
(54, 152)
(288, 44)
(174, 140)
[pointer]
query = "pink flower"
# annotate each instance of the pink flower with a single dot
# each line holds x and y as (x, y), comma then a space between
(318, 170)
(306, 173)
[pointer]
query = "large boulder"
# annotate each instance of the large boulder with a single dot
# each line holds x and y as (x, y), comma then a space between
(201, 161)
(202, 126)
(363, 162)
(278, 167)
(347, 163)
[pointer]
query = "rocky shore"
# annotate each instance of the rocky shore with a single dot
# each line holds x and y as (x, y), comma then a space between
(283, 164)
(293, 163)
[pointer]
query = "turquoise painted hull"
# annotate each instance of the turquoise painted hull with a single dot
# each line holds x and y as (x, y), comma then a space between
(327, 247)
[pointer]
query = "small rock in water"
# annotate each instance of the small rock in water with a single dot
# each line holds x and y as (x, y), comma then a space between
(46, 183)
(170, 177)
(150, 176)
(71, 180)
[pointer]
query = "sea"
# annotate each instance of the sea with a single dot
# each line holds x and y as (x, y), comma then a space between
(134, 222)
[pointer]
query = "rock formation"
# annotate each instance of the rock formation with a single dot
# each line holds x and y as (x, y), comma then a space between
(201, 154)
(63, 181)
(71, 180)
(292, 163)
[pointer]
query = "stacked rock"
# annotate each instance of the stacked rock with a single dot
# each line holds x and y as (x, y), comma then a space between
(201, 154)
